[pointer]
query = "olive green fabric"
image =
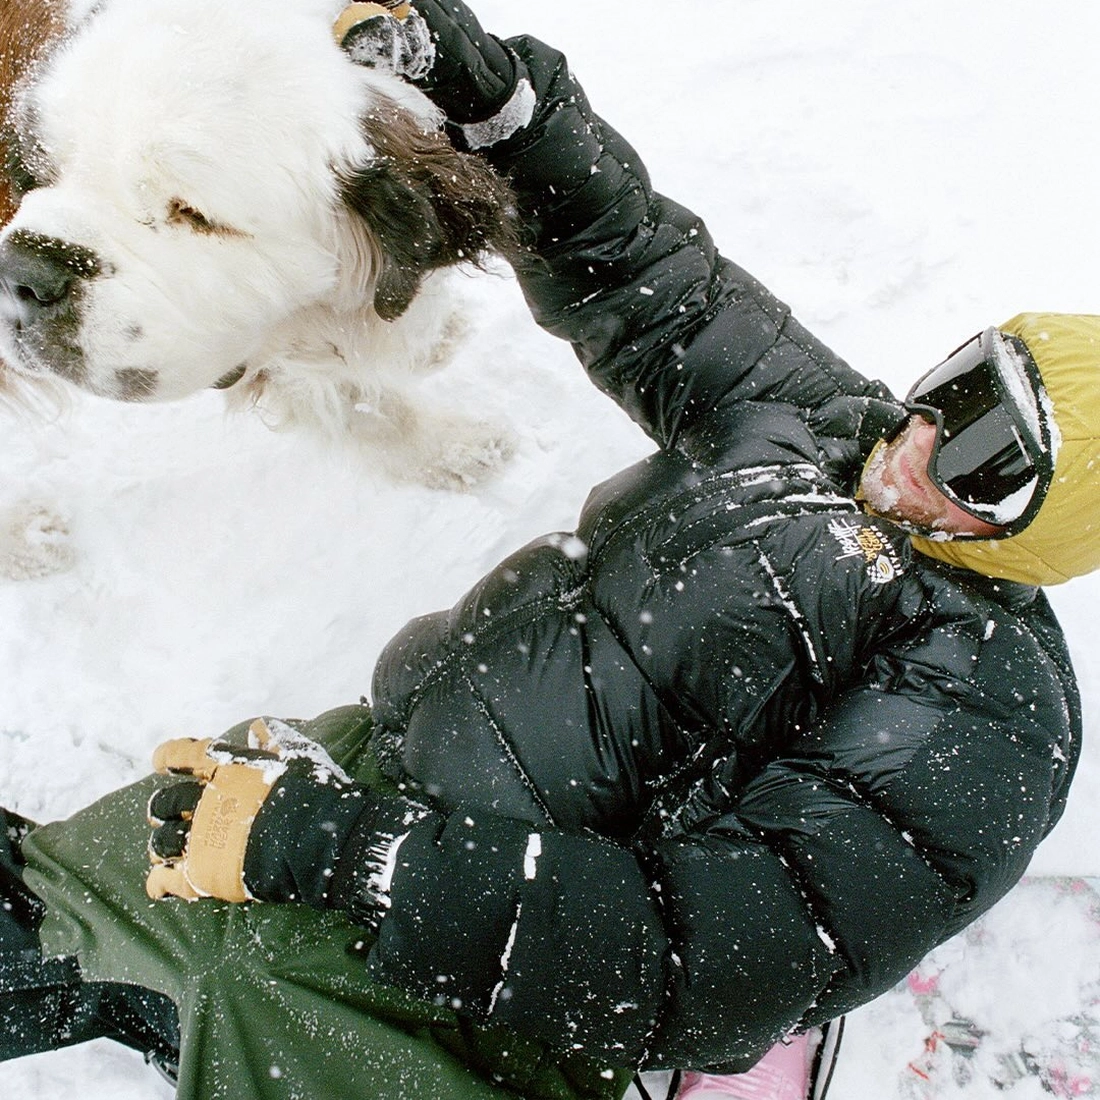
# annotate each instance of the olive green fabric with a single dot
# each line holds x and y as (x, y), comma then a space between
(274, 1000)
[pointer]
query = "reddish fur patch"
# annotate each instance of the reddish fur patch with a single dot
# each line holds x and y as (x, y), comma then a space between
(26, 28)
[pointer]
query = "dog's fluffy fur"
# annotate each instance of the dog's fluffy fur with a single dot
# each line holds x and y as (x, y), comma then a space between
(211, 192)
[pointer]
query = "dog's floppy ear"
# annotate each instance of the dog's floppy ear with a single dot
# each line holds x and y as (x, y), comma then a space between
(7, 202)
(427, 205)
(406, 229)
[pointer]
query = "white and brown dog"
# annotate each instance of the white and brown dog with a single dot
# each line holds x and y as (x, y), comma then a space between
(213, 194)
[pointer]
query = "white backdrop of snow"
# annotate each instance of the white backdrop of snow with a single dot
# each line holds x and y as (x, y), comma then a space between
(902, 176)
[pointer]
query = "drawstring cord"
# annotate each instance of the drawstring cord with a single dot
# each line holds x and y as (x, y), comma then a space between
(643, 1092)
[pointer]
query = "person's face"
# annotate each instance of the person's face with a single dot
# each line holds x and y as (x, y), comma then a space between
(896, 485)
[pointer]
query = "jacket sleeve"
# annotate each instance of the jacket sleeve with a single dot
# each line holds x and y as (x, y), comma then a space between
(691, 953)
(802, 901)
(660, 320)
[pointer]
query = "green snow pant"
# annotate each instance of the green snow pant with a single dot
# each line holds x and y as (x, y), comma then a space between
(274, 1000)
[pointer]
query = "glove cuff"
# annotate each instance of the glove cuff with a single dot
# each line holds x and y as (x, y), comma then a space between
(510, 119)
(298, 835)
(361, 884)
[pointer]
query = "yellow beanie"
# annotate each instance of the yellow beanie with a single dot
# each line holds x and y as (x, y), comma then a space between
(1063, 540)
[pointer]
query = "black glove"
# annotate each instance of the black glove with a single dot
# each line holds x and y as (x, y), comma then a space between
(265, 823)
(392, 38)
(478, 83)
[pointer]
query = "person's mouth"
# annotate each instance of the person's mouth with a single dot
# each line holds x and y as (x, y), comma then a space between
(907, 476)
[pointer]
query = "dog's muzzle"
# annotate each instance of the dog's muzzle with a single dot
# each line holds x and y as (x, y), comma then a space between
(41, 279)
(38, 273)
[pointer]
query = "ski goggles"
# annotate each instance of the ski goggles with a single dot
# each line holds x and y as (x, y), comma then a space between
(987, 457)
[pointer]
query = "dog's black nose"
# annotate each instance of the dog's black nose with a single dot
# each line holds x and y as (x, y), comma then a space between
(39, 273)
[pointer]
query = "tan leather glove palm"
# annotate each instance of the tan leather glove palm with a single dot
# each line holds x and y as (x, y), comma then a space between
(355, 14)
(202, 827)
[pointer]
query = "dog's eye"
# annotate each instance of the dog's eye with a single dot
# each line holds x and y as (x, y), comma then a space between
(181, 213)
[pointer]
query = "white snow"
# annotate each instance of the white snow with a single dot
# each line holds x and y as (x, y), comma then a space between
(904, 177)
(506, 959)
(531, 856)
(1010, 364)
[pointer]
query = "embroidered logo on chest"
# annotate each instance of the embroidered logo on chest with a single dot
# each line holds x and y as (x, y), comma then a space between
(861, 540)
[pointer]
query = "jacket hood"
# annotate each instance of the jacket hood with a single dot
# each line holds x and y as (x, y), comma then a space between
(1063, 539)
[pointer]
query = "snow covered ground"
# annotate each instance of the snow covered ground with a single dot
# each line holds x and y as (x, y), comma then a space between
(902, 175)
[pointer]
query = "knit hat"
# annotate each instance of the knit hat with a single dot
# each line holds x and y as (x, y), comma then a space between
(1063, 539)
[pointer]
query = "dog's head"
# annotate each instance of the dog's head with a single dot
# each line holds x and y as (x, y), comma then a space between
(194, 175)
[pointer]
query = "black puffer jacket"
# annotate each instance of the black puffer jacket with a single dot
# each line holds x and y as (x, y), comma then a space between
(729, 758)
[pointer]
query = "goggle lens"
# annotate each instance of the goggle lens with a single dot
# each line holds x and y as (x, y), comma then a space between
(982, 459)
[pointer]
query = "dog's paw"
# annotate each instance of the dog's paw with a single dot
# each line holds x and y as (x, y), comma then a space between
(34, 542)
(458, 455)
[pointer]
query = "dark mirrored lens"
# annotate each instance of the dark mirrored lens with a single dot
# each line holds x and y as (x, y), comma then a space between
(963, 390)
(986, 461)
(981, 458)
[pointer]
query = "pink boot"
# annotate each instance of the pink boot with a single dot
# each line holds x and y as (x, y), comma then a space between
(786, 1072)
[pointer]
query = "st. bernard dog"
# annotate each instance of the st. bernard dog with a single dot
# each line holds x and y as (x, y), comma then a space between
(209, 193)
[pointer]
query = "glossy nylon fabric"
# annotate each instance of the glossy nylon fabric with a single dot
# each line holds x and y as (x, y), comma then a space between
(1063, 540)
(274, 1000)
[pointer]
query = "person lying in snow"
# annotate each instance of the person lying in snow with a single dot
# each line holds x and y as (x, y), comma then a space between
(785, 712)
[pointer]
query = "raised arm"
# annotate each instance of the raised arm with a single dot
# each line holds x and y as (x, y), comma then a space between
(661, 321)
